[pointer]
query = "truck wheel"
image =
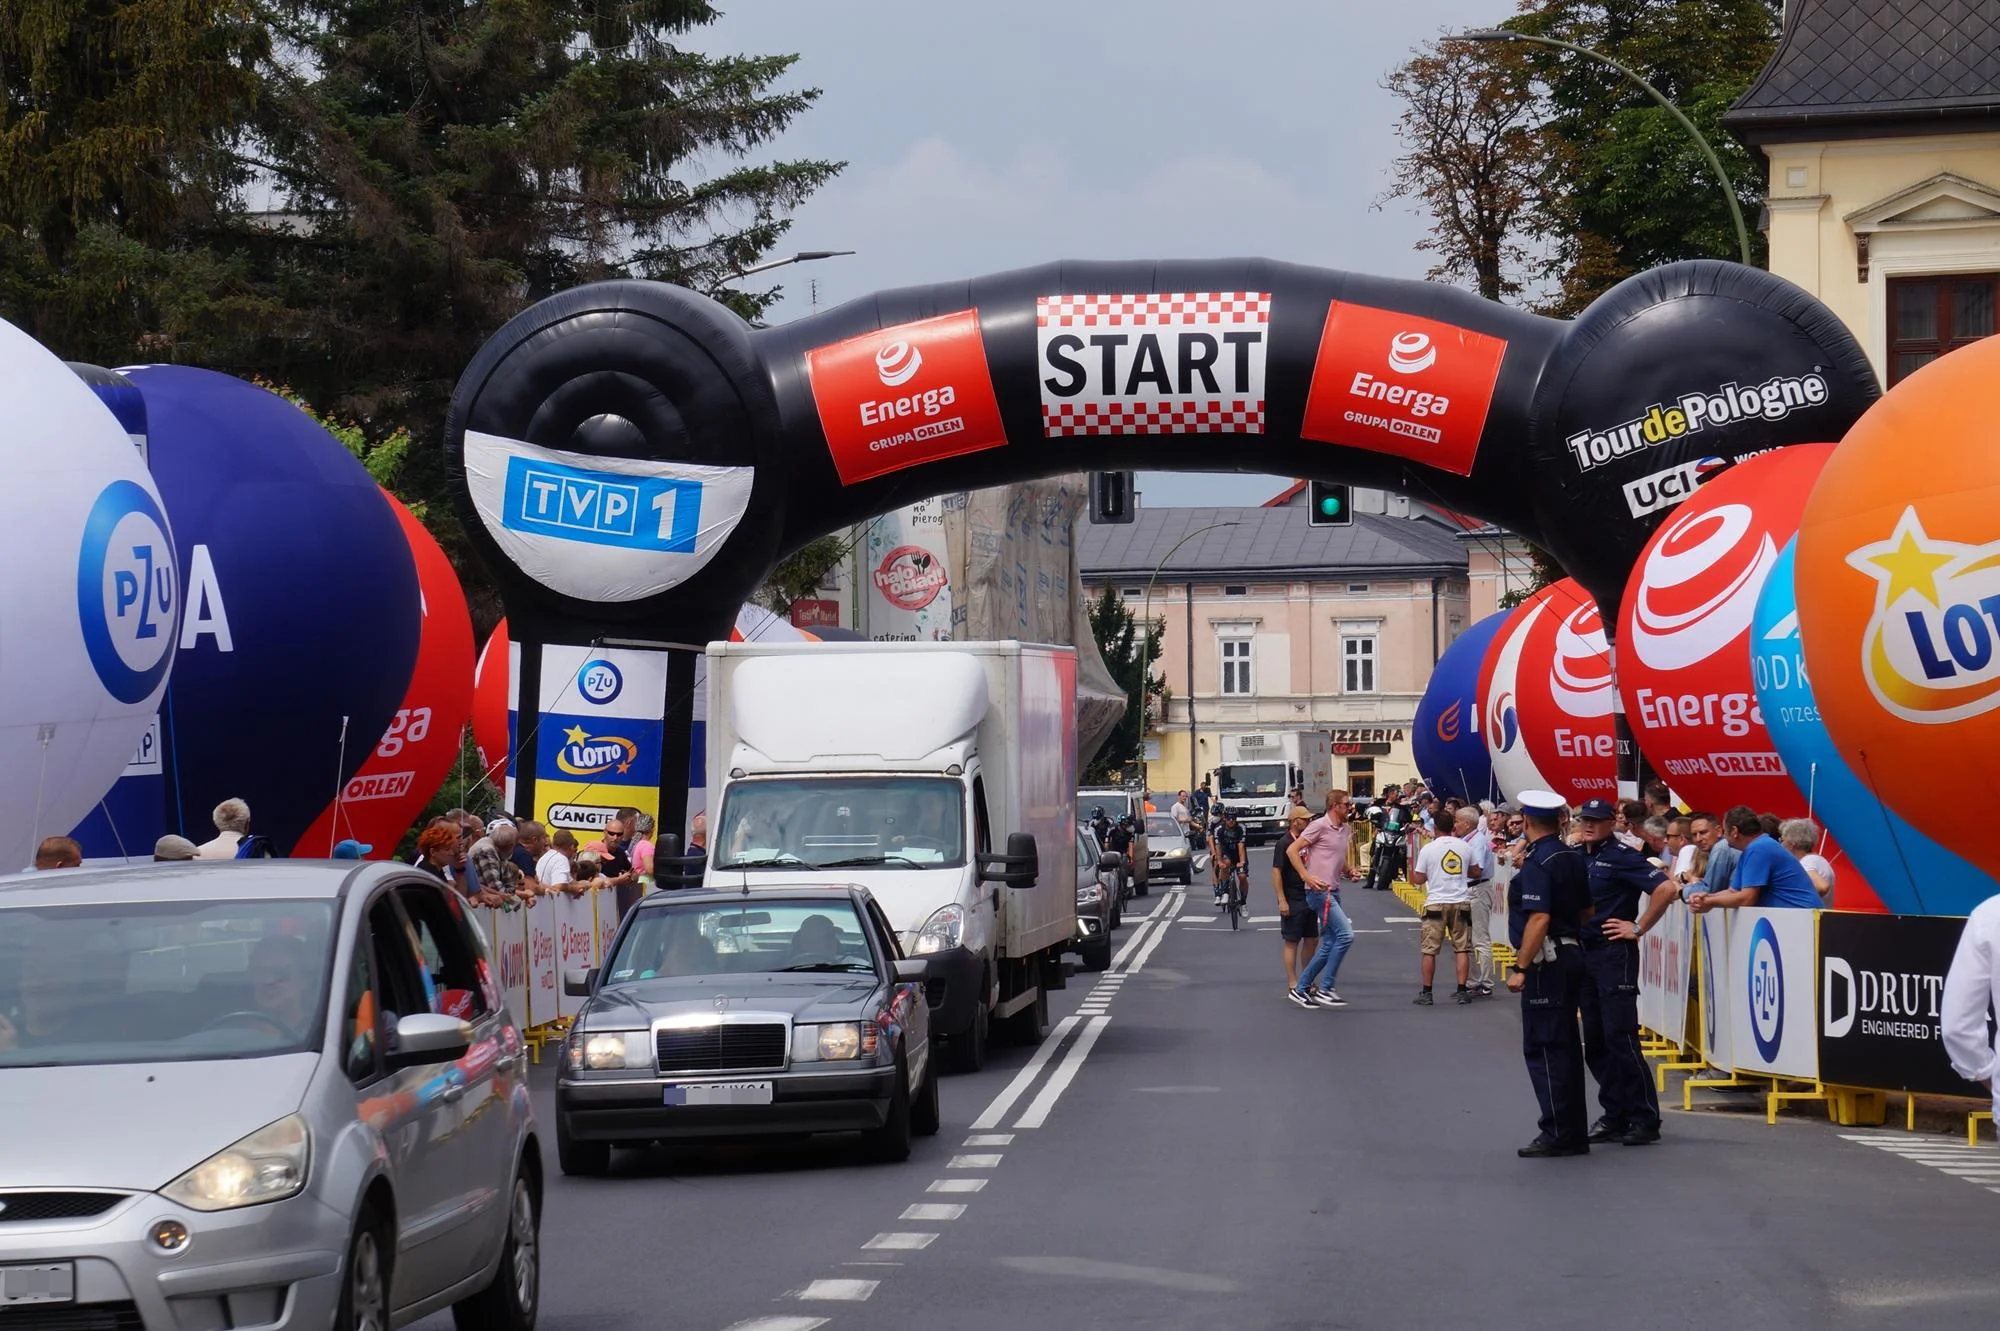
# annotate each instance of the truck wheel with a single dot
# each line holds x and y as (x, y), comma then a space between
(967, 1049)
(1027, 1026)
(891, 1142)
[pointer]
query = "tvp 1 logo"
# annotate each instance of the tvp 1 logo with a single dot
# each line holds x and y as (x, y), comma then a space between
(1766, 979)
(128, 591)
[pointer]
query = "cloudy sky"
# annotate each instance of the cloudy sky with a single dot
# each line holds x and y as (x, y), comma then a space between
(991, 137)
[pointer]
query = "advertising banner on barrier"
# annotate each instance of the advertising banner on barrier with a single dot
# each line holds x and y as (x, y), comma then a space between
(544, 979)
(576, 942)
(507, 944)
(606, 906)
(1881, 982)
(1665, 955)
(1771, 971)
(1718, 997)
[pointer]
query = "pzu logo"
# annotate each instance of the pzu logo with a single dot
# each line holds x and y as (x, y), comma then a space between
(128, 591)
(599, 681)
(1767, 990)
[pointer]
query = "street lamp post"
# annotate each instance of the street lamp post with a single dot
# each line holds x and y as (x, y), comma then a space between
(1707, 149)
(803, 256)
(1146, 653)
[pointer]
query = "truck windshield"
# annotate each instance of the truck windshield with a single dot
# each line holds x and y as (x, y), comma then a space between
(1242, 780)
(824, 822)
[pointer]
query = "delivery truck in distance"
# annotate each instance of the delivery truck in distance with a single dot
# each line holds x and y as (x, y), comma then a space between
(1258, 769)
(941, 776)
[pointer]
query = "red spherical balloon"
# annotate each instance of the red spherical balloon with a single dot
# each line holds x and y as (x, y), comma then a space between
(1684, 660)
(491, 681)
(1564, 693)
(1499, 701)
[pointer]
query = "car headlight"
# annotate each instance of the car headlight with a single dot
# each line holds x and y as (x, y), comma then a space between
(1090, 896)
(942, 930)
(267, 1166)
(843, 1040)
(596, 1053)
(1178, 853)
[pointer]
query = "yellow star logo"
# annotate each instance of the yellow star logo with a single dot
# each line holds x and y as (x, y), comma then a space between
(1908, 561)
(577, 735)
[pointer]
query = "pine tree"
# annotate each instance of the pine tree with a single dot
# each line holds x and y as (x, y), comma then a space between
(1127, 656)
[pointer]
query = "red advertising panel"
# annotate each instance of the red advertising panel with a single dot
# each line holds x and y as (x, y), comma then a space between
(1396, 383)
(905, 395)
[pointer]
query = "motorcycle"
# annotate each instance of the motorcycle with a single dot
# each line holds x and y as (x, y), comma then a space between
(1390, 852)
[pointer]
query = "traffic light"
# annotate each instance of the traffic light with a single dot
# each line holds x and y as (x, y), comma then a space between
(1111, 497)
(1329, 505)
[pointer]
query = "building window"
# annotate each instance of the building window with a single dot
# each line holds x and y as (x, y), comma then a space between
(1453, 626)
(1357, 589)
(1361, 778)
(1357, 660)
(1235, 591)
(1929, 316)
(1131, 593)
(1235, 666)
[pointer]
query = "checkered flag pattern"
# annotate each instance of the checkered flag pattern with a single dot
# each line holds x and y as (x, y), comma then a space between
(1180, 307)
(1212, 417)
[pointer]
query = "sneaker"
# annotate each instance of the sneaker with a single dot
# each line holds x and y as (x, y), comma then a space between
(1328, 998)
(1299, 997)
(1461, 996)
(1423, 998)
(1486, 991)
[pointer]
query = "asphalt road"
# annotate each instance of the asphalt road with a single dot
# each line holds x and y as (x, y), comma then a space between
(1188, 1149)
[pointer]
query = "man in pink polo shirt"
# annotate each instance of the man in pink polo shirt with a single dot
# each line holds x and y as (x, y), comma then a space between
(1320, 855)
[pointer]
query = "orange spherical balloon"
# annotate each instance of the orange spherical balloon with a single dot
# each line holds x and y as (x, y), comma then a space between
(1899, 598)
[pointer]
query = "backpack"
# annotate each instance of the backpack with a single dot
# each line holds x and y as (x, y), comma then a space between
(255, 848)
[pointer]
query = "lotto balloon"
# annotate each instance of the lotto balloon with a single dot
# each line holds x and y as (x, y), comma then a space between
(412, 757)
(1565, 695)
(90, 611)
(1684, 637)
(1906, 871)
(1898, 571)
(1449, 748)
(302, 609)
(1514, 768)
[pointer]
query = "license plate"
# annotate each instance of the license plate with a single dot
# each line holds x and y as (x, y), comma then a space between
(721, 1093)
(54, 1283)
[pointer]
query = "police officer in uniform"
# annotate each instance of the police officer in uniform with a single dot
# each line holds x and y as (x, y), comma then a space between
(1546, 904)
(1619, 877)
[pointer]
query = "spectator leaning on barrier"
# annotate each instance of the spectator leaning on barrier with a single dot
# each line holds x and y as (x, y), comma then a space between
(1679, 846)
(490, 863)
(1717, 862)
(58, 852)
(232, 824)
(1971, 986)
(1765, 874)
(1799, 836)
(1631, 818)
(173, 849)
(1653, 841)
(438, 850)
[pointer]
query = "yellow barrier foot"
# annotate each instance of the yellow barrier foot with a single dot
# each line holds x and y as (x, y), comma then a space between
(1692, 1084)
(1972, 1125)
(1660, 1071)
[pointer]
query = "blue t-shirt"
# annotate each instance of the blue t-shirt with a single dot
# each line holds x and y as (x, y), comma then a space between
(1778, 878)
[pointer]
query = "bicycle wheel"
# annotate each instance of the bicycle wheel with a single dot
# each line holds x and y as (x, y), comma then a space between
(1235, 911)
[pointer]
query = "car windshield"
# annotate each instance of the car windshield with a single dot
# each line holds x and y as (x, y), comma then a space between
(760, 937)
(1160, 824)
(826, 822)
(1243, 779)
(1116, 804)
(163, 982)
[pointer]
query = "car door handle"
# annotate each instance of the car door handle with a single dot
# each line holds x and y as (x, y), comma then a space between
(452, 1094)
(506, 1062)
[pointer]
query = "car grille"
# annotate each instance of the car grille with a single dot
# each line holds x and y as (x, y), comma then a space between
(16, 1207)
(729, 1047)
(93, 1317)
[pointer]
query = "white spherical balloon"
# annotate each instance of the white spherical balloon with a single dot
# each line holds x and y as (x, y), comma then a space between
(90, 607)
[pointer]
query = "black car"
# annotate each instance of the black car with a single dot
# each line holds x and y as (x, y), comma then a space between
(1100, 903)
(781, 1011)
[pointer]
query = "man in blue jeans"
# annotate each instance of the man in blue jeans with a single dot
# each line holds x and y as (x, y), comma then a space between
(1319, 854)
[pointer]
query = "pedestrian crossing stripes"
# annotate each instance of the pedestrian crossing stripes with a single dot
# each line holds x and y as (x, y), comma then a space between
(1974, 1164)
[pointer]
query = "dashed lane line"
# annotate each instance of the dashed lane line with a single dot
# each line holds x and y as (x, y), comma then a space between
(990, 1139)
(1974, 1164)
(843, 1291)
(956, 1185)
(780, 1324)
(899, 1242)
(933, 1211)
(974, 1161)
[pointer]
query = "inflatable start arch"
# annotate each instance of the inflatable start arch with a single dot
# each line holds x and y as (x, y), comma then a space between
(636, 458)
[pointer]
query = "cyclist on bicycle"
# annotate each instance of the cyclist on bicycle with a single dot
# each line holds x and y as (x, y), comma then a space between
(1225, 848)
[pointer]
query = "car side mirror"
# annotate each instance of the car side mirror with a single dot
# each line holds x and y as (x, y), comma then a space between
(577, 981)
(429, 1037)
(912, 970)
(1019, 867)
(1109, 861)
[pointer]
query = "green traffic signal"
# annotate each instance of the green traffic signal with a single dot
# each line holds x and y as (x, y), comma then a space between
(1329, 504)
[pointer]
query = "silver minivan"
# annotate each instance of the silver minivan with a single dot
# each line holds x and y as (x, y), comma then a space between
(259, 1094)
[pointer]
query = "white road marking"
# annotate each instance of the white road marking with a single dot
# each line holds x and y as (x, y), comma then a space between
(1139, 962)
(1374, 931)
(956, 1185)
(974, 1162)
(846, 1291)
(1037, 1112)
(899, 1242)
(990, 1117)
(1948, 1156)
(933, 1211)
(990, 1139)
(779, 1324)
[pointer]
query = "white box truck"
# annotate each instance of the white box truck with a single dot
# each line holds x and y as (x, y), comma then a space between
(1258, 768)
(941, 776)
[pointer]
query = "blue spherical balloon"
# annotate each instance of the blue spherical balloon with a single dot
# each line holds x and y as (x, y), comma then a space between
(1912, 874)
(1445, 738)
(302, 611)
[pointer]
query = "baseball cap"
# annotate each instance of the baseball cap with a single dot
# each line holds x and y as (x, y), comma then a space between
(1597, 811)
(351, 849)
(171, 847)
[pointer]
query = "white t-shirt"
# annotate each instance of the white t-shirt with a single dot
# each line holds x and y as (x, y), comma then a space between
(552, 870)
(1443, 863)
(1684, 863)
(1180, 813)
(1820, 865)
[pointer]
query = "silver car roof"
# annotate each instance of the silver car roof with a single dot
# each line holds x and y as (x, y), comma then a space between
(196, 880)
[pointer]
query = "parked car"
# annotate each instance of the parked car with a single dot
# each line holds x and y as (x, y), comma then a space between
(787, 1011)
(1171, 858)
(1099, 907)
(1120, 804)
(259, 1092)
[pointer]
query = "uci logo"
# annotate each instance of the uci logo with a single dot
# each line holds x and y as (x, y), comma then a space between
(1767, 990)
(599, 681)
(1928, 653)
(128, 591)
(585, 754)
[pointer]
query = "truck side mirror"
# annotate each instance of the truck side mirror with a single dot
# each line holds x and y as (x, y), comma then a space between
(1019, 867)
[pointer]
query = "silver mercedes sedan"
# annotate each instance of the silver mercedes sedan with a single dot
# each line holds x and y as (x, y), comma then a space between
(258, 1094)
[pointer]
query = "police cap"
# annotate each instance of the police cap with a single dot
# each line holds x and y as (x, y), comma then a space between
(1543, 803)
(1597, 811)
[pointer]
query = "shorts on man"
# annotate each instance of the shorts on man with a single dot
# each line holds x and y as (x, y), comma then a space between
(1446, 922)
